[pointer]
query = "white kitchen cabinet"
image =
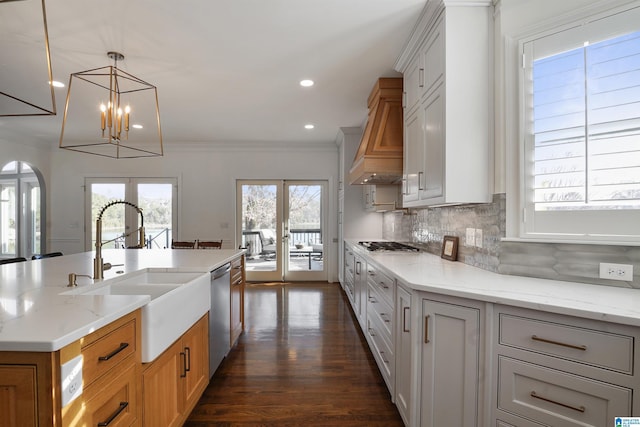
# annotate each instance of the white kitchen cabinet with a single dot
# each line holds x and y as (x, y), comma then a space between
(360, 290)
(349, 275)
(560, 370)
(403, 353)
(413, 157)
(450, 362)
(380, 322)
(447, 99)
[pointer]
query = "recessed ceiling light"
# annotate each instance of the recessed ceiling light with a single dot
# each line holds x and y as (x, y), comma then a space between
(309, 126)
(56, 83)
(306, 83)
(136, 126)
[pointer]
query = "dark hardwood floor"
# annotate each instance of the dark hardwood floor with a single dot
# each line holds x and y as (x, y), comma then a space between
(300, 362)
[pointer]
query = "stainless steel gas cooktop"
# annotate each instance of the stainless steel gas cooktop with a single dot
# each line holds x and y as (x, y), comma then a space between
(388, 247)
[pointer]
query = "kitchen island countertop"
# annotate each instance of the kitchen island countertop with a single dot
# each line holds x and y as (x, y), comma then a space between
(427, 272)
(36, 315)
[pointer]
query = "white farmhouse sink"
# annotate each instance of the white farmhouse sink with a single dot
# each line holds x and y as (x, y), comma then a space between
(153, 290)
(178, 300)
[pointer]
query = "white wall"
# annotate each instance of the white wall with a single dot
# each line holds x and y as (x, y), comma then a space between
(206, 186)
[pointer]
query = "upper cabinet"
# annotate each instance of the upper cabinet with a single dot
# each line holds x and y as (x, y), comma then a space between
(447, 120)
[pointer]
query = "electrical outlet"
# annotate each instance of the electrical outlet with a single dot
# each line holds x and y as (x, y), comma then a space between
(478, 237)
(71, 380)
(616, 271)
(471, 237)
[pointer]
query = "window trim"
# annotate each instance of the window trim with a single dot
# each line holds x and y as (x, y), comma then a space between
(515, 125)
(131, 185)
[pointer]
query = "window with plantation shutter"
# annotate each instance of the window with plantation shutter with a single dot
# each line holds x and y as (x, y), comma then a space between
(581, 159)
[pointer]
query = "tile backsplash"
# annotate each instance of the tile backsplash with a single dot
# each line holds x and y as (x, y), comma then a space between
(570, 262)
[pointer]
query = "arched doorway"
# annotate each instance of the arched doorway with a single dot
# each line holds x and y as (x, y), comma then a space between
(22, 210)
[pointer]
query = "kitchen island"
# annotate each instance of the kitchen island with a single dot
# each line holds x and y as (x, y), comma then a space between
(45, 325)
(462, 346)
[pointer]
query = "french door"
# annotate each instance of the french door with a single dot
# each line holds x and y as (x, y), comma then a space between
(155, 196)
(282, 224)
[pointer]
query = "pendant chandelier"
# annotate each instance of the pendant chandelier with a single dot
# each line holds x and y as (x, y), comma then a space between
(111, 113)
(25, 71)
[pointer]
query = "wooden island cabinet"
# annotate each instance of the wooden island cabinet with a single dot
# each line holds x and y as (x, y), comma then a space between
(30, 382)
(173, 383)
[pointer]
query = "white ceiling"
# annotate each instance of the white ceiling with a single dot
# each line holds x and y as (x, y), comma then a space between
(226, 70)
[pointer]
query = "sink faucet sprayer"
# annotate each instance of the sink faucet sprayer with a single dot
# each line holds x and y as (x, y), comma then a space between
(98, 264)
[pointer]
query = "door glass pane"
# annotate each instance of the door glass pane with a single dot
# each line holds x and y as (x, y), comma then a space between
(259, 219)
(305, 230)
(113, 220)
(8, 218)
(33, 219)
(155, 200)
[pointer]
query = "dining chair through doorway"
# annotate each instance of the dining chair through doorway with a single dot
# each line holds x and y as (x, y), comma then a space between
(185, 244)
(12, 260)
(209, 244)
(49, 255)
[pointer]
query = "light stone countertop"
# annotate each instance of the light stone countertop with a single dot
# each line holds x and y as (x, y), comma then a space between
(34, 316)
(427, 272)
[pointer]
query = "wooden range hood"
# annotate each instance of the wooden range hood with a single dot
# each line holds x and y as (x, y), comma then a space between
(379, 156)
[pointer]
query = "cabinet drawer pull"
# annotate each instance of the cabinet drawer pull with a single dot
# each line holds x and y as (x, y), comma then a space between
(187, 356)
(426, 329)
(404, 319)
(420, 187)
(564, 405)
(183, 356)
(122, 407)
(358, 267)
(237, 282)
(384, 317)
(371, 332)
(371, 273)
(123, 345)
(382, 357)
(577, 347)
(420, 77)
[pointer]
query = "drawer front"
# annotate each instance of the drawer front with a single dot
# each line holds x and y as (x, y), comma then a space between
(114, 400)
(108, 351)
(382, 282)
(556, 398)
(381, 310)
(597, 348)
(382, 351)
(236, 270)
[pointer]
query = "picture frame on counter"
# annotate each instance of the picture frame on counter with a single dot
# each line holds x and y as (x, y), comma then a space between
(450, 248)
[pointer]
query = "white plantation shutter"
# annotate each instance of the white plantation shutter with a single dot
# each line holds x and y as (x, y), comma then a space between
(582, 132)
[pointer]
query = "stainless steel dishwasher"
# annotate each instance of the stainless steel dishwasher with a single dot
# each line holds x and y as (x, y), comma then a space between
(219, 317)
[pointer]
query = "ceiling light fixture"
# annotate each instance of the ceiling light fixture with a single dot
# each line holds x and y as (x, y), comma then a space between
(24, 89)
(309, 126)
(306, 83)
(104, 129)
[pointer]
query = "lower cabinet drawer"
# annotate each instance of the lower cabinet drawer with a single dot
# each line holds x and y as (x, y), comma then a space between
(382, 352)
(107, 352)
(113, 401)
(557, 398)
(378, 307)
(597, 348)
